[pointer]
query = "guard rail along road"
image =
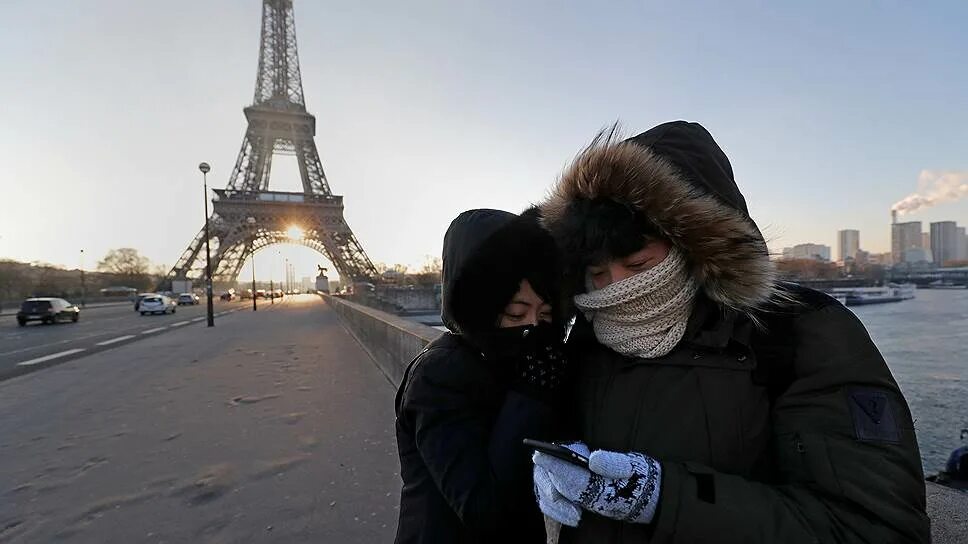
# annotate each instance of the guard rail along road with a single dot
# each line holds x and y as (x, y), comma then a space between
(393, 342)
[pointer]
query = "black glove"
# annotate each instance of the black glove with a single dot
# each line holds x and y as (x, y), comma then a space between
(540, 375)
(540, 365)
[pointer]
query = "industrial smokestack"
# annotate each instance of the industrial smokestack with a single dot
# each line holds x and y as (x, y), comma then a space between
(893, 217)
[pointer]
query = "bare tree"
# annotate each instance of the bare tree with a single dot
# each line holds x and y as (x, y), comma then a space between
(127, 265)
(125, 261)
(433, 265)
(12, 280)
(429, 273)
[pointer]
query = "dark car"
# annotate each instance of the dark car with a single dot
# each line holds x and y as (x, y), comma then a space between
(47, 310)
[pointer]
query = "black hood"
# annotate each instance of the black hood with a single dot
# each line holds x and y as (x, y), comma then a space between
(486, 255)
(697, 156)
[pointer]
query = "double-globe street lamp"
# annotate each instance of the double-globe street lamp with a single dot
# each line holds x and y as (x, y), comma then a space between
(204, 168)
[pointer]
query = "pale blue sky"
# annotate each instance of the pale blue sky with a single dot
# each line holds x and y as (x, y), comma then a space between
(828, 110)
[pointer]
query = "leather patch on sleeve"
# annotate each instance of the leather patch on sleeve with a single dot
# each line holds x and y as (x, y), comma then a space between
(873, 413)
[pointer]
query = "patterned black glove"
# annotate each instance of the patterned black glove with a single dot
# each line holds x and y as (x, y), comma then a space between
(541, 371)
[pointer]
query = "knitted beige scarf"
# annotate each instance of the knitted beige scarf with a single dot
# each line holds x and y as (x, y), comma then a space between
(644, 315)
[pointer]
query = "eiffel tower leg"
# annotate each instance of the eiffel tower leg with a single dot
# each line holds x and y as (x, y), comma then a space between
(251, 171)
(246, 253)
(183, 267)
(346, 254)
(231, 254)
(311, 168)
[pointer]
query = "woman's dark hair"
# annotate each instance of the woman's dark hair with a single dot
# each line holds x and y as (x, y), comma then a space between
(521, 250)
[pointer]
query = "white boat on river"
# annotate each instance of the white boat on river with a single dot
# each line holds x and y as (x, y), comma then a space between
(857, 296)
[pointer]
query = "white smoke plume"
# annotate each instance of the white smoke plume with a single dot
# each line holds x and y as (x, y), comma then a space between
(934, 187)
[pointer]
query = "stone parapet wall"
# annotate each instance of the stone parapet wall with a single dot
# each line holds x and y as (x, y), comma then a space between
(391, 341)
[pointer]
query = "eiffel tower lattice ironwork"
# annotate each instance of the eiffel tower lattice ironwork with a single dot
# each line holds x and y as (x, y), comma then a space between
(247, 216)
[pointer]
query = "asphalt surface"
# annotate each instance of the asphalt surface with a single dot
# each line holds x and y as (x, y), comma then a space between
(273, 426)
(36, 346)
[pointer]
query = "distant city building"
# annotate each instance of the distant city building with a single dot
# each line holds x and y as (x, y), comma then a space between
(962, 243)
(849, 244)
(882, 259)
(917, 255)
(306, 284)
(807, 251)
(905, 236)
(944, 241)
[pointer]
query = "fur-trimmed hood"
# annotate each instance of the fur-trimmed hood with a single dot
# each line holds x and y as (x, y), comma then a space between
(679, 184)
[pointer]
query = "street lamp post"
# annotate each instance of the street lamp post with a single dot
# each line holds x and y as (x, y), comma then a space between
(204, 168)
(254, 306)
(282, 282)
(251, 222)
(83, 288)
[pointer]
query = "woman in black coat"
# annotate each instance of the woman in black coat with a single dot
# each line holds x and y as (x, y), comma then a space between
(468, 400)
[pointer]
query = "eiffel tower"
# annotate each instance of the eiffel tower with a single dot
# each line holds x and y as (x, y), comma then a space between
(246, 216)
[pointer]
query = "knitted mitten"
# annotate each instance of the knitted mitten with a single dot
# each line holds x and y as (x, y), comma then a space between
(551, 502)
(622, 486)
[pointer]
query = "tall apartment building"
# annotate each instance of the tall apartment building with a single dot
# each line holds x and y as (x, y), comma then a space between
(944, 242)
(905, 236)
(848, 244)
(962, 244)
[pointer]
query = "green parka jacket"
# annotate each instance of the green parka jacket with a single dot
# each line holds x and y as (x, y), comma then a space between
(791, 431)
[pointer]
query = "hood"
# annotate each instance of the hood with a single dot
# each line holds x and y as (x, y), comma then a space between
(486, 255)
(676, 180)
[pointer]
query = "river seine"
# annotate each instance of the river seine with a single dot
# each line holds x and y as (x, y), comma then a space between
(924, 342)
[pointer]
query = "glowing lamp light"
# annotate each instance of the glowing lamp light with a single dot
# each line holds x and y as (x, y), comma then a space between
(295, 233)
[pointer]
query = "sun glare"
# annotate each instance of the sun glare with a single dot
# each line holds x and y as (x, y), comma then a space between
(295, 233)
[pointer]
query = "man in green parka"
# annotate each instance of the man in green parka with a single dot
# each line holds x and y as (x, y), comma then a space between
(715, 403)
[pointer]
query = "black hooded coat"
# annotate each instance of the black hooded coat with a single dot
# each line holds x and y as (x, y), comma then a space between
(795, 431)
(460, 422)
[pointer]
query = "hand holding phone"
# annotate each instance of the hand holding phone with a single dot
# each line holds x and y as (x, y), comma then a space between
(558, 451)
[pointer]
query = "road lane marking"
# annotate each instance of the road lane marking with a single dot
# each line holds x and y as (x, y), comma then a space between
(179, 324)
(197, 319)
(149, 331)
(115, 340)
(50, 357)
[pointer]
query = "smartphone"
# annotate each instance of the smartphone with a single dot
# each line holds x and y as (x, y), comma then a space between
(557, 450)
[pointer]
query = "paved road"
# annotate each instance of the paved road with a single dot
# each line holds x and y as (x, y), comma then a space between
(273, 426)
(25, 349)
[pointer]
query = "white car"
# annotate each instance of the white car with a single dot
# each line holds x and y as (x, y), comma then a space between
(157, 304)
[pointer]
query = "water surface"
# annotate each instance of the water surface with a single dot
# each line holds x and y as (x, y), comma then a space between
(923, 341)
